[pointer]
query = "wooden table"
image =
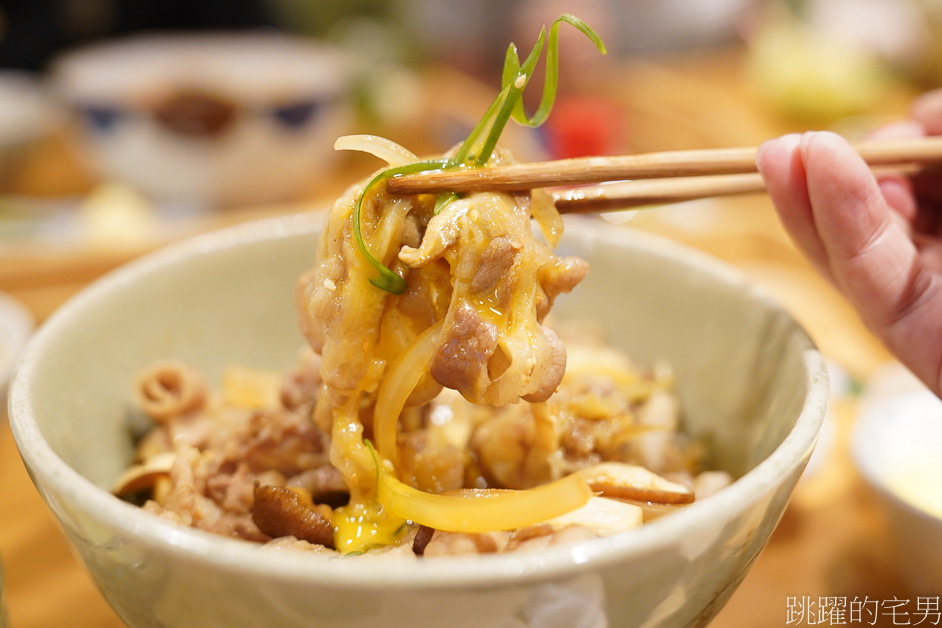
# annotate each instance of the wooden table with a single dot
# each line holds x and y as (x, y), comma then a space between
(831, 541)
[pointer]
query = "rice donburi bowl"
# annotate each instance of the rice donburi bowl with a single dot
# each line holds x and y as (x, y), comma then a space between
(749, 383)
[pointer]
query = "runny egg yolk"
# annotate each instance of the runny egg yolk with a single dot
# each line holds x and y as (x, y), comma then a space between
(360, 526)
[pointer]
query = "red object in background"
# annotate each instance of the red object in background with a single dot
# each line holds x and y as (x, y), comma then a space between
(582, 126)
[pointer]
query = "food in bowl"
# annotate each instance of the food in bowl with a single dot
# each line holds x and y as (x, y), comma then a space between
(28, 117)
(220, 119)
(455, 298)
(250, 462)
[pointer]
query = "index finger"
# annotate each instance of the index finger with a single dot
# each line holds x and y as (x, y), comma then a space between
(871, 255)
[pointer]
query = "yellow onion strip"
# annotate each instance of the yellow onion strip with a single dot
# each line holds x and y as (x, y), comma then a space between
(400, 380)
(387, 150)
(473, 510)
(483, 510)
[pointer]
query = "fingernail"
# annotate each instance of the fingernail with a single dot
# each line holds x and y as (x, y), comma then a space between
(785, 143)
(818, 140)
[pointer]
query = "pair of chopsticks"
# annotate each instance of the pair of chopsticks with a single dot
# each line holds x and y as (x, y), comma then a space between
(651, 178)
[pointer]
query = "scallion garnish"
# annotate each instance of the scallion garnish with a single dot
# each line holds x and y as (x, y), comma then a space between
(387, 280)
(369, 446)
(474, 152)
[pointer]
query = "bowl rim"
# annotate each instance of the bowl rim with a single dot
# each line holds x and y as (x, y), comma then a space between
(477, 572)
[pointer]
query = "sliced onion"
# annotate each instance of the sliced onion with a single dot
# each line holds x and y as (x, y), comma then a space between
(483, 510)
(387, 150)
(401, 379)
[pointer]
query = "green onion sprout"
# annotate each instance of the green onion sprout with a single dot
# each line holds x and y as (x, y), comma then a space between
(475, 152)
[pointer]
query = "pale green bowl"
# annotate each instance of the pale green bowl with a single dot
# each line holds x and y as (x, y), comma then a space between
(751, 384)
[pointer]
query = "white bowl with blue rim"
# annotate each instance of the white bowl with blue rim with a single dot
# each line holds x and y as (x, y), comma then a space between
(219, 119)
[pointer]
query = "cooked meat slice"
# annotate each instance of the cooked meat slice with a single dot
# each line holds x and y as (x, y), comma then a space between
(461, 544)
(325, 485)
(300, 385)
(187, 502)
(466, 347)
(496, 260)
(514, 448)
(550, 368)
(541, 536)
(170, 389)
(430, 464)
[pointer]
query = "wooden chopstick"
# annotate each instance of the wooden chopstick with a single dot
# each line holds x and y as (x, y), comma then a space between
(651, 192)
(584, 170)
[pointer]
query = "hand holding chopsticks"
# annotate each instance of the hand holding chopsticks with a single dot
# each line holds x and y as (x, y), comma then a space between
(683, 175)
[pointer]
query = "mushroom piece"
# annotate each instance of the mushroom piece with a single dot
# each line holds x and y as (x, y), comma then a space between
(422, 537)
(602, 516)
(634, 483)
(144, 475)
(280, 511)
(651, 511)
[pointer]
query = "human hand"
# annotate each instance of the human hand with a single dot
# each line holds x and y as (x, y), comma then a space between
(878, 241)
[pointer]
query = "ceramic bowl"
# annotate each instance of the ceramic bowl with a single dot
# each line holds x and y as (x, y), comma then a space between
(750, 381)
(220, 119)
(895, 445)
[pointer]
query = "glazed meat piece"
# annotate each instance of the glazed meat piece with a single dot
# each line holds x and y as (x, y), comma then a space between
(433, 414)
(429, 370)
(473, 269)
(169, 390)
(493, 348)
(476, 265)
(204, 497)
(201, 465)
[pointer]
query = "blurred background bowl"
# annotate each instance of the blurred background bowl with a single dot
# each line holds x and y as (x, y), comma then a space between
(896, 445)
(221, 119)
(27, 116)
(627, 27)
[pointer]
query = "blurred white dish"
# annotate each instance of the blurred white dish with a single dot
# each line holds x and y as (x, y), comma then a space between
(16, 325)
(896, 445)
(627, 27)
(27, 115)
(215, 118)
